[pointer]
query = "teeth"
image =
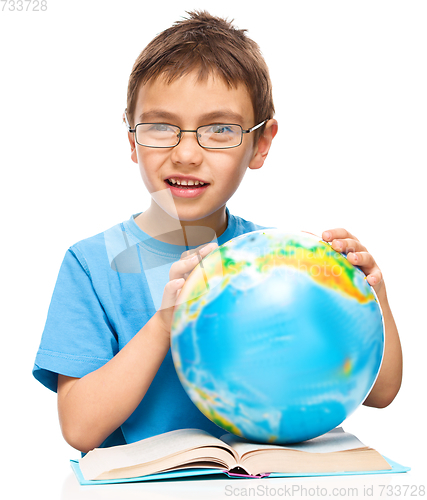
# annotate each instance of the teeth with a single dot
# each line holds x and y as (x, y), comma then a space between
(186, 183)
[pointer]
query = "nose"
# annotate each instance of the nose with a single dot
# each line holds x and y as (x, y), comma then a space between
(188, 151)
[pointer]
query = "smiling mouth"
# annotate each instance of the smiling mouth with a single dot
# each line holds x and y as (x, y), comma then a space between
(195, 185)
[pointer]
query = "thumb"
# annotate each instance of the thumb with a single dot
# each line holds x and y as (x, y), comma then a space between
(170, 293)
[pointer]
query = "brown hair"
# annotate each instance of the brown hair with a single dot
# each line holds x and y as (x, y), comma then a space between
(210, 45)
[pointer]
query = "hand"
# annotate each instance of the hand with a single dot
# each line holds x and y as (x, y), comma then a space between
(178, 274)
(342, 241)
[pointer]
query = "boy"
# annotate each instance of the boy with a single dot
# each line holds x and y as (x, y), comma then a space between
(199, 113)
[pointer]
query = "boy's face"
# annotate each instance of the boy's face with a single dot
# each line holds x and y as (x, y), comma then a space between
(189, 104)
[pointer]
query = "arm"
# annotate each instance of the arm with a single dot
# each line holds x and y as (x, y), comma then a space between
(389, 378)
(92, 407)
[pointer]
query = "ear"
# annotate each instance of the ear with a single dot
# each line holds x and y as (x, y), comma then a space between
(264, 143)
(131, 137)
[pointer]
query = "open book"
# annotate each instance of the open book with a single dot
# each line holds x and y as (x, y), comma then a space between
(334, 452)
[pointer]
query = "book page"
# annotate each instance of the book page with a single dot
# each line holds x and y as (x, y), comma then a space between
(202, 457)
(294, 461)
(334, 440)
(147, 450)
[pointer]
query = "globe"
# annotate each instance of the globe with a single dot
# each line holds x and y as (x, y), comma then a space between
(276, 337)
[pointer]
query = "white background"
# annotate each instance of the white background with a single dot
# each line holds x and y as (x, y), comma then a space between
(349, 81)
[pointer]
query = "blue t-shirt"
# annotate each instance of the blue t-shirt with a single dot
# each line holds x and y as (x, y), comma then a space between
(107, 289)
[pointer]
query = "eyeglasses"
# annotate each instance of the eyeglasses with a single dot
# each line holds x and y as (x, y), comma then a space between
(214, 136)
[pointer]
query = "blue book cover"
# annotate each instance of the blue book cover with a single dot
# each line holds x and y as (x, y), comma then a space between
(209, 473)
(178, 449)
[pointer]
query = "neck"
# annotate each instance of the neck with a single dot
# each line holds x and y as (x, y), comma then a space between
(161, 226)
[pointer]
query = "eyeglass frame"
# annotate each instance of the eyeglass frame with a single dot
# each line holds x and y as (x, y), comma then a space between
(248, 131)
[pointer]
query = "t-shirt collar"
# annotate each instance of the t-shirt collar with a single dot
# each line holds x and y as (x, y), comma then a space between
(167, 248)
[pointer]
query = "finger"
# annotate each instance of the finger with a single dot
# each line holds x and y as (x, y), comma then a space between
(339, 233)
(203, 250)
(347, 245)
(364, 260)
(170, 293)
(368, 266)
(181, 268)
(375, 278)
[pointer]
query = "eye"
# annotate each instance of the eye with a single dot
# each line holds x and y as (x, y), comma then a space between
(161, 127)
(221, 129)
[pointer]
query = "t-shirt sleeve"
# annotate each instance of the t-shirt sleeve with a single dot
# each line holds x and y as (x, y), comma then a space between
(78, 337)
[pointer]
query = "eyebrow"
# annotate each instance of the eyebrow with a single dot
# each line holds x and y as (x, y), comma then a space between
(224, 115)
